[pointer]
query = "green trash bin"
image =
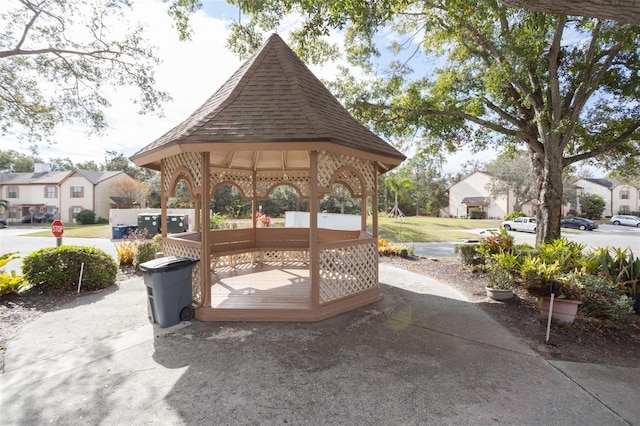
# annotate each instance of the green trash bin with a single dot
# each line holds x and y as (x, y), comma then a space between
(177, 223)
(149, 222)
(168, 282)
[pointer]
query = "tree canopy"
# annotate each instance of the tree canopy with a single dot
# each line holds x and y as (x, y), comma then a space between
(565, 88)
(58, 56)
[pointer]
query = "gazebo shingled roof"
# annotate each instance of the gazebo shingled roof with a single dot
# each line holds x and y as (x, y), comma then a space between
(272, 98)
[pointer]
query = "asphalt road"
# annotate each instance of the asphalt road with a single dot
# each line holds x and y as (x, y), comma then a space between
(17, 239)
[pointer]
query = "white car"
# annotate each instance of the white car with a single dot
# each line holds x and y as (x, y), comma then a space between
(625, 219)
(527, 224)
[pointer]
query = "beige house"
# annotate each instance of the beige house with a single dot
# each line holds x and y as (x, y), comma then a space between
(619, 198)
(44, 195)
(470, 195)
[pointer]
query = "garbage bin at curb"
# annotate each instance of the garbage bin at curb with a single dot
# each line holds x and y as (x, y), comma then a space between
(168, 282)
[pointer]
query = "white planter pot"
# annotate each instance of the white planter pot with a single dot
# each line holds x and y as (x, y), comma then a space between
(499, 294)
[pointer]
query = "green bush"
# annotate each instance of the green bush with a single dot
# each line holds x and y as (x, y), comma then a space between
(10, 282)
(602, 300)
(86, 217)
(59, 268)
(469, 254)
(514, 215)
(145, 252)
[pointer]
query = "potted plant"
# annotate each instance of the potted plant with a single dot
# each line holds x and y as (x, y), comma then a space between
(566, 290)
(555, 269)
(501, 280)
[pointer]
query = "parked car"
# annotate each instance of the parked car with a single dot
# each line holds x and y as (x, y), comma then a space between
(3, 223)
(578, 223)
(527, 224)
(37, 218)
(625, 219)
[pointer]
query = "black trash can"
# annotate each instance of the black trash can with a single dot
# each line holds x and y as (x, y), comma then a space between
(168, 282)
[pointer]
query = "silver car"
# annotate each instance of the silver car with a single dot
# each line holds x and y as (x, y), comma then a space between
(625, 219)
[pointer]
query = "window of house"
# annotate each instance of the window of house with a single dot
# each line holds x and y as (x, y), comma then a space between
(77, 192)
(625, 209)
(624, 193)
(74, 211)
(12, 192)
(50, 192)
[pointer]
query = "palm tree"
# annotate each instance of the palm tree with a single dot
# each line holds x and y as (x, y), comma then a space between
(396, 185)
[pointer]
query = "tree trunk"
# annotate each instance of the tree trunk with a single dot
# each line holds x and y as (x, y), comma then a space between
(548, 168)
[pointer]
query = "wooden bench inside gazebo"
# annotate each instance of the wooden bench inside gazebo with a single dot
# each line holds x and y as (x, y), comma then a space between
(274, 123)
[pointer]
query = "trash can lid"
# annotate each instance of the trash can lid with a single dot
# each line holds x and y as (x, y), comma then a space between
(168, 263)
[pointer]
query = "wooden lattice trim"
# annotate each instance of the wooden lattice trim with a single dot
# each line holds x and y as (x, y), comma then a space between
(300, 181)
(250, 258)
(188, 160)
(242, 179)
(348, 270)
(330, 162)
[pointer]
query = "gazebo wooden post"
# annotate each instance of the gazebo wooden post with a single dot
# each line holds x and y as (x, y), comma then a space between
(205, 264)
(163, 205)
(314, 254)
(254, 204)
(196, 215)
(374, 207)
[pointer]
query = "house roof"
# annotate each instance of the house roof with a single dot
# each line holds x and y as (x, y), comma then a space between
(54, 178)
(601, 181)
(475, 200)
(275, 101)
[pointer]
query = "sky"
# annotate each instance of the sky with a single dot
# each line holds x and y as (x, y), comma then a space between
(190, 71)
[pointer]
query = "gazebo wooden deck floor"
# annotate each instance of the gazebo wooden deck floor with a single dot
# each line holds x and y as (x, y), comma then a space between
(263, 287)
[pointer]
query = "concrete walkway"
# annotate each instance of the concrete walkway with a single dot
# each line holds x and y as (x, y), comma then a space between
(423, 355)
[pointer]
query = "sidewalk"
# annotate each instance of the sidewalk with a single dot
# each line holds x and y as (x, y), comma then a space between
(423, 355)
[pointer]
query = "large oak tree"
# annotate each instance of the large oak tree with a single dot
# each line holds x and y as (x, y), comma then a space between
(566, 88)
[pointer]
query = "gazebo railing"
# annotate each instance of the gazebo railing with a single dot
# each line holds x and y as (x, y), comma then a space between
(347, 268)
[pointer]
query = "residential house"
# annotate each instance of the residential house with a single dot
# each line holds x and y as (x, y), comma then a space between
(470, 195)
(58, 194)
(619, 198)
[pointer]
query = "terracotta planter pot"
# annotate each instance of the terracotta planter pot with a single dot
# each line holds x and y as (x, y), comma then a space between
(564, 311)
(499, 294)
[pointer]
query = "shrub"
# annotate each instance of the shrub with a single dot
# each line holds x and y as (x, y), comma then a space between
(469, 254)
(386, 249)
(496, 243)
(592, 206)
(10, 283)
(126, 252)
(514, 215)
(59, 268)
(603, 300)
(220, 221)
(145, 252)
(86, 217)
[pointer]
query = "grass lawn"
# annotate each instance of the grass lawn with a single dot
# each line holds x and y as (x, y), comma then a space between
(405, 230)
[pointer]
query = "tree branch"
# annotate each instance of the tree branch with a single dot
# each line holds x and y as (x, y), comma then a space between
(604, 148)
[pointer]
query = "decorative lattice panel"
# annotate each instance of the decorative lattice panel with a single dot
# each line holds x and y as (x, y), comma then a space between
(243, 179)
(284, 257)
(347, 270)
(330, 162)
(350, 179)
(171, 248)
(228, 262)
(298, 180)
(189, 160)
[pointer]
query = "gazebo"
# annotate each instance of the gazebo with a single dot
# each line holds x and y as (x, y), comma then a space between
(274, 123)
